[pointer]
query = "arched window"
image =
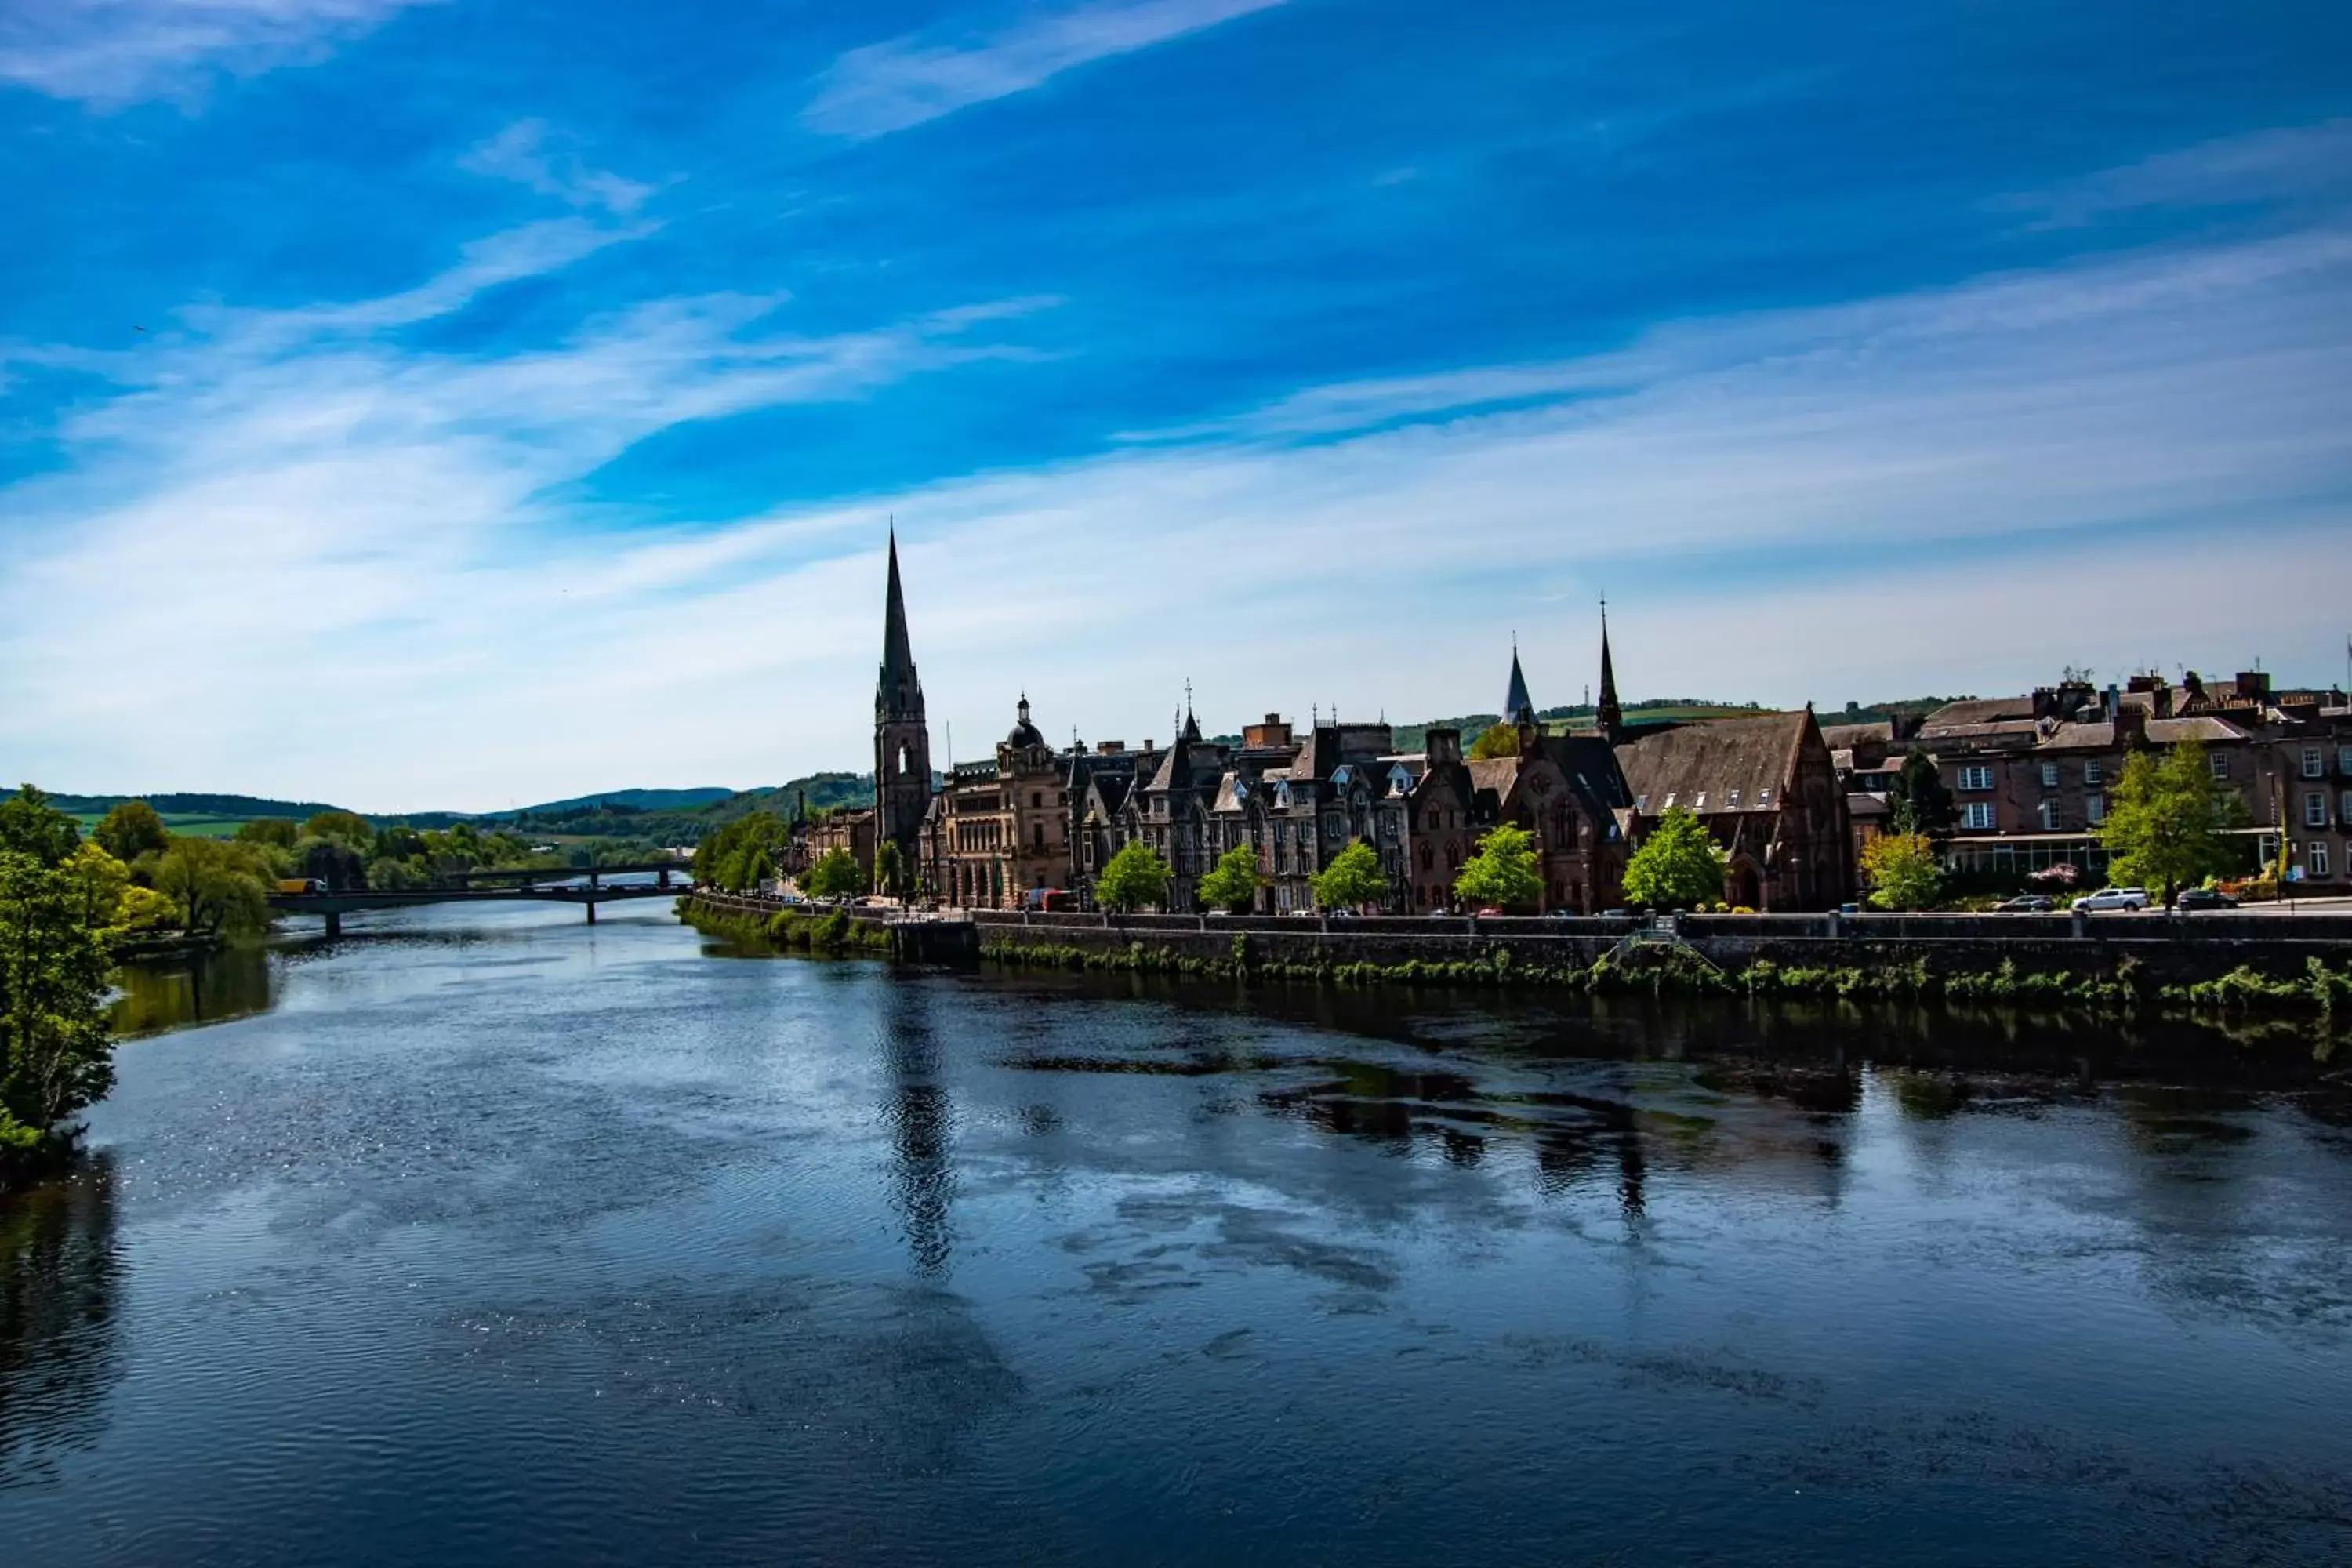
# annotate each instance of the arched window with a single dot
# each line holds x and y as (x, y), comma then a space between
(905, 752)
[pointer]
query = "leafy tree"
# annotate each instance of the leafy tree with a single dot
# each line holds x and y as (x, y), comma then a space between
(1495, 741)
(348, 825)
(1901, 870)
(1920, 803)
(835, 873)
(131, 830)
(732, 855)
(1677, 865)
(333, 861)
(217, 884)
(2169, 821)
(890, 869)
(145, 910)
(1135, 877)
(1503, 872)
(1232, 884)
(278, 832)
(56, 1056)
(101, 880)
(1352, 879)
(30, 826)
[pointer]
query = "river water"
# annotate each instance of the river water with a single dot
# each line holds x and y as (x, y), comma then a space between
(484, 1236)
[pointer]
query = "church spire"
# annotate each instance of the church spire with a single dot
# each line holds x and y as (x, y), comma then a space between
(899, 693)
(1518, 708)
(1609, 716)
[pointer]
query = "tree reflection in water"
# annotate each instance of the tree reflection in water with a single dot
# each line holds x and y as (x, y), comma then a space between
(61, 1350)
(231, 983)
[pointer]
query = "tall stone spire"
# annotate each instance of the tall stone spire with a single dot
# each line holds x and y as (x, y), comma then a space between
(902, 741)
(1518, 708)
(1607, 715)
(899, 694)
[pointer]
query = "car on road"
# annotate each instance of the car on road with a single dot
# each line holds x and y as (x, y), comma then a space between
(2025, 904)
(2194, 898)
(2113, 899)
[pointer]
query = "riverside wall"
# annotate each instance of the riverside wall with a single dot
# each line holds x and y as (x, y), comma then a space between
(2169, 949)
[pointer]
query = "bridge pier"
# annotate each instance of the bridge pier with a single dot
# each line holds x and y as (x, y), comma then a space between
(591, 911)
(334, 925)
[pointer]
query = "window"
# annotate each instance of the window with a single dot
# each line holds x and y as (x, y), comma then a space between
(2314, 810)
(2315, 857)
(1764, 797)
(2095, 809)
(2344, 816)
(2048, 812)
(1733, 801)
(1979, 815)
(1642, 802)
(1670, 800)
(2220, 763)
(1700, 803)
(1035, 800)
(2344, 759)
(2050, 775)
(2092, 773)
(1976, 776)
(2311, 763)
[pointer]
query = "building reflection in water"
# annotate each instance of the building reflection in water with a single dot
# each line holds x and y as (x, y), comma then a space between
(61, 1350)
(923, 1123)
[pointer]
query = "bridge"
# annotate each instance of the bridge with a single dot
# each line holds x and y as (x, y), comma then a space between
(585, 886)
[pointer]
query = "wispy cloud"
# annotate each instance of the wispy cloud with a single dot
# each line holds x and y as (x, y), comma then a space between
(108, 53)
(889, 87)
(2291, 164)
(359, 551)
(531, 155)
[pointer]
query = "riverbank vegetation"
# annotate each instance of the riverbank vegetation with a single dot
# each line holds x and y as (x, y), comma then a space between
(58, 900)
(1664, 970)
(787, 931)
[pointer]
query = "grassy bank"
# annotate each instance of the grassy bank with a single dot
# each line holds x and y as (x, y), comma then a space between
(787, 931)
(1664, 970)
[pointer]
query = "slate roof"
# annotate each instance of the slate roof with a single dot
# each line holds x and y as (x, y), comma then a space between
(1851, 737)
(1705, 767)
(1978, 711)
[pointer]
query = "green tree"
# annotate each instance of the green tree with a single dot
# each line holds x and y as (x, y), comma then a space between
(835, 874)
(2169, 821)
(1135, 877)
(1920, 803)
(101, 880)
(1233, 883)
(348, 825)
(1901, 870)
(333, 861)
(1677, 865)
(890, 869)
(278, 832)
(132, 829)
(1352, 879)
(1503, 871)
(1495, 741)
(145, 910)
(31, 826)
(218, 886)
(56, 1055)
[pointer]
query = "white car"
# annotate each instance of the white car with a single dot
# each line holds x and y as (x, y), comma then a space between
(2113, 898)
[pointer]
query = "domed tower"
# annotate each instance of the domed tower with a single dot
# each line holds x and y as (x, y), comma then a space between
(902, 741)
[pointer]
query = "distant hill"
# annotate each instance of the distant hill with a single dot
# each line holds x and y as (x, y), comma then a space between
(635, 799)
(243, 807)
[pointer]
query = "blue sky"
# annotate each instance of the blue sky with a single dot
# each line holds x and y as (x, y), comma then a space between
(524, 383)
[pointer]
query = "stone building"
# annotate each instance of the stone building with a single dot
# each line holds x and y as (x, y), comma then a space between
(1001, 830)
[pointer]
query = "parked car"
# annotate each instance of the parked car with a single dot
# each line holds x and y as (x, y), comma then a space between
(2025, 904)
(2193, 898)
(2113, 898)
(1560, 914)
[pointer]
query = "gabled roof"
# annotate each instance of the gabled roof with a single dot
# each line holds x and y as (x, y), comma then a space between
(1724, 765)
(1978, 711)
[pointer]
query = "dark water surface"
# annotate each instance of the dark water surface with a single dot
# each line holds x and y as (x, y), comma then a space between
(488, 1236)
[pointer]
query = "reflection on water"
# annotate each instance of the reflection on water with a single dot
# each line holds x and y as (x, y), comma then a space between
(60, 1346)
(231, 983)
(493, 1237)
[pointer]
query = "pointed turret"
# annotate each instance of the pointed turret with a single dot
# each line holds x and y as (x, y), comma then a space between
(1607, 716)
(902, 742)
(1517, 706)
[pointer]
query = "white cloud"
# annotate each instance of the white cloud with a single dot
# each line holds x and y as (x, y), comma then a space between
(2287, 164)
(298, 559)
(108, 53)
(529, 154)
(889, 87)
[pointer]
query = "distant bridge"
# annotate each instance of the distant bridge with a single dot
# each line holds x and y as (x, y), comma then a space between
(562, 885)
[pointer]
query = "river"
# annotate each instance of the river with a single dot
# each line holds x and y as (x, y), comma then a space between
(485, 1236)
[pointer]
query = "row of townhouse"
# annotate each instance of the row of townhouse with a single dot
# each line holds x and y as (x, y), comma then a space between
(2031, 776)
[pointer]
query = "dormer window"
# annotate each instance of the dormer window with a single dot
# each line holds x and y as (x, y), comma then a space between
(1670, 800)
(1700, 803)
(1641, 803)
(1733, 801)
(1763, 797)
